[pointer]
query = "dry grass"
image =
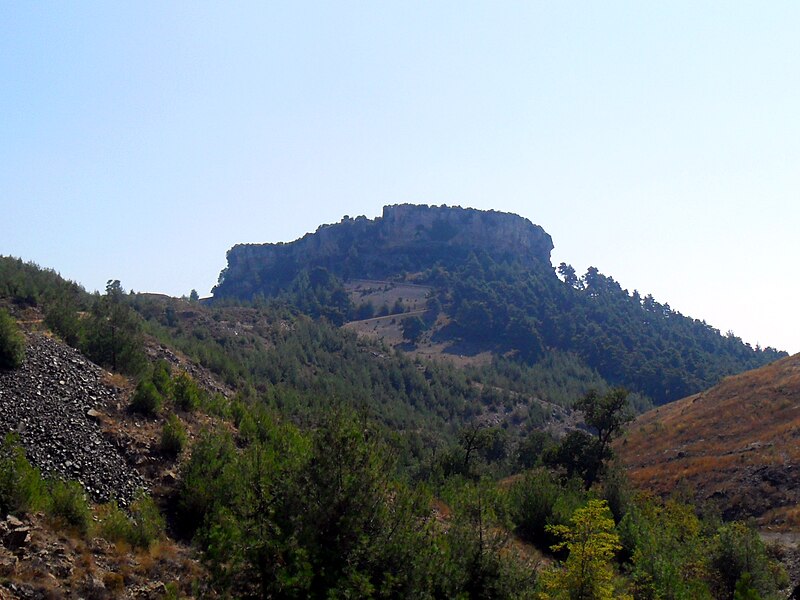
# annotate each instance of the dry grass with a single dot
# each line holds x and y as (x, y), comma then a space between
(721, 440)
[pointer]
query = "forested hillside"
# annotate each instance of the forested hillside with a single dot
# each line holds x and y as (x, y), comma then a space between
(493, 286)
(291, 458)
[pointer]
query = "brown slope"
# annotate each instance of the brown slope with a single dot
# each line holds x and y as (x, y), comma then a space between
(737, 444)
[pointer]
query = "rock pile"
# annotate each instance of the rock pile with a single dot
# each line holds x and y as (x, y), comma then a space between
(51, 401)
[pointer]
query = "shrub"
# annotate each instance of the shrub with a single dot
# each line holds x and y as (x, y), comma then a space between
(12, 342)
(146, 400)
(22, 488)
(147, 523)
(68, 502)
(538, 501)
(185, 392)
(173, 436)
(737, 550)
(114, 524)
(162, 379)
(62, 319)
(144, 525)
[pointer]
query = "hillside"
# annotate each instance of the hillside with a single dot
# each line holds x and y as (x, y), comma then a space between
(737, 444)
(491, 291)
(303, 460)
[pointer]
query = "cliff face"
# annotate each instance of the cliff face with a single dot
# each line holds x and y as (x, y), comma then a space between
(406, 238)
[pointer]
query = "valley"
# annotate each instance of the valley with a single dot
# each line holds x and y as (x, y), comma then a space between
(415, 406)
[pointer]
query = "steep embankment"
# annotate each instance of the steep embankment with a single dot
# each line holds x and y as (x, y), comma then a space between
(737, 444)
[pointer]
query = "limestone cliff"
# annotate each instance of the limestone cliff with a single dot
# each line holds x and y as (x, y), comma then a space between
(405, 238)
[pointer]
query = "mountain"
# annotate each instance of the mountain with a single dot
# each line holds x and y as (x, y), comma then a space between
(407, 238)
(302, 459)
(737, 444)
(485, 284)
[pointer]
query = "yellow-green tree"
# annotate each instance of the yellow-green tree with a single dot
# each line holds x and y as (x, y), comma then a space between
(592, 542)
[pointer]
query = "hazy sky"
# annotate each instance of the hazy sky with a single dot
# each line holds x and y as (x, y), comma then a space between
(657, 141)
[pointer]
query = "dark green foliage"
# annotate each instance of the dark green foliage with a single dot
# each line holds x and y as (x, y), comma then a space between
(161, 378)
(206, 479)
(27, 284)
(22, 489)
(12, 342)
(146, 399)
(413, 328)
(640, 344)
(296, 364)
(737, 550)
(113, 336)
(745, 590)
(321, 516)
(173, 436)
(532, 447)
(318, 293)
(185, 392)
(147, 525)
(62, 319)
(68, 503)
(559, 378)
(539, 499)
(474, 560)
(584, 454)
(140, 529)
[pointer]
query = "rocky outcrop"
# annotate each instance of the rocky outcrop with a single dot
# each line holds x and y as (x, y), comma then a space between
(52, 402)
(406, 238)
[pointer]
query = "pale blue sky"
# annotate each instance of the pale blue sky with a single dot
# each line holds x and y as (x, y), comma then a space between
(659, 142)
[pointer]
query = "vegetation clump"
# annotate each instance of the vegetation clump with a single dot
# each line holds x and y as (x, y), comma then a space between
(146, 399)
(173, 436)
(12, 342)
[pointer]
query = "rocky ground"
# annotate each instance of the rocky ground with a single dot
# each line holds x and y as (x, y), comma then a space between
(54, 402)
(40, 562)
(71, 417)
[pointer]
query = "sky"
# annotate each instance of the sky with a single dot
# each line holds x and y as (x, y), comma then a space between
(656, 141)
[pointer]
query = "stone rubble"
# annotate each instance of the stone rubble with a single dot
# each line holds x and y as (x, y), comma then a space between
(53, 402)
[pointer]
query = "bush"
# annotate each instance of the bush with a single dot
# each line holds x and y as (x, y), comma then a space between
(12, 342)
(22, 488)
(144, 525)
(539, 501)
(173, 436)
(114, 524)
(146, 400)
(68, 502)
(62, 319)
(737, 550)
(185, 392)
(162, 378)
(147, 523)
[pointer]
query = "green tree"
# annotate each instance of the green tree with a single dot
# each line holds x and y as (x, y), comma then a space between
(588, 573)
(667, 552)
(185, 391)
(146, 399)
(12, 342)
(113, 334)
(736, 550)
(413, 328)
(606, 415)
(62, 318)
(173, 436)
